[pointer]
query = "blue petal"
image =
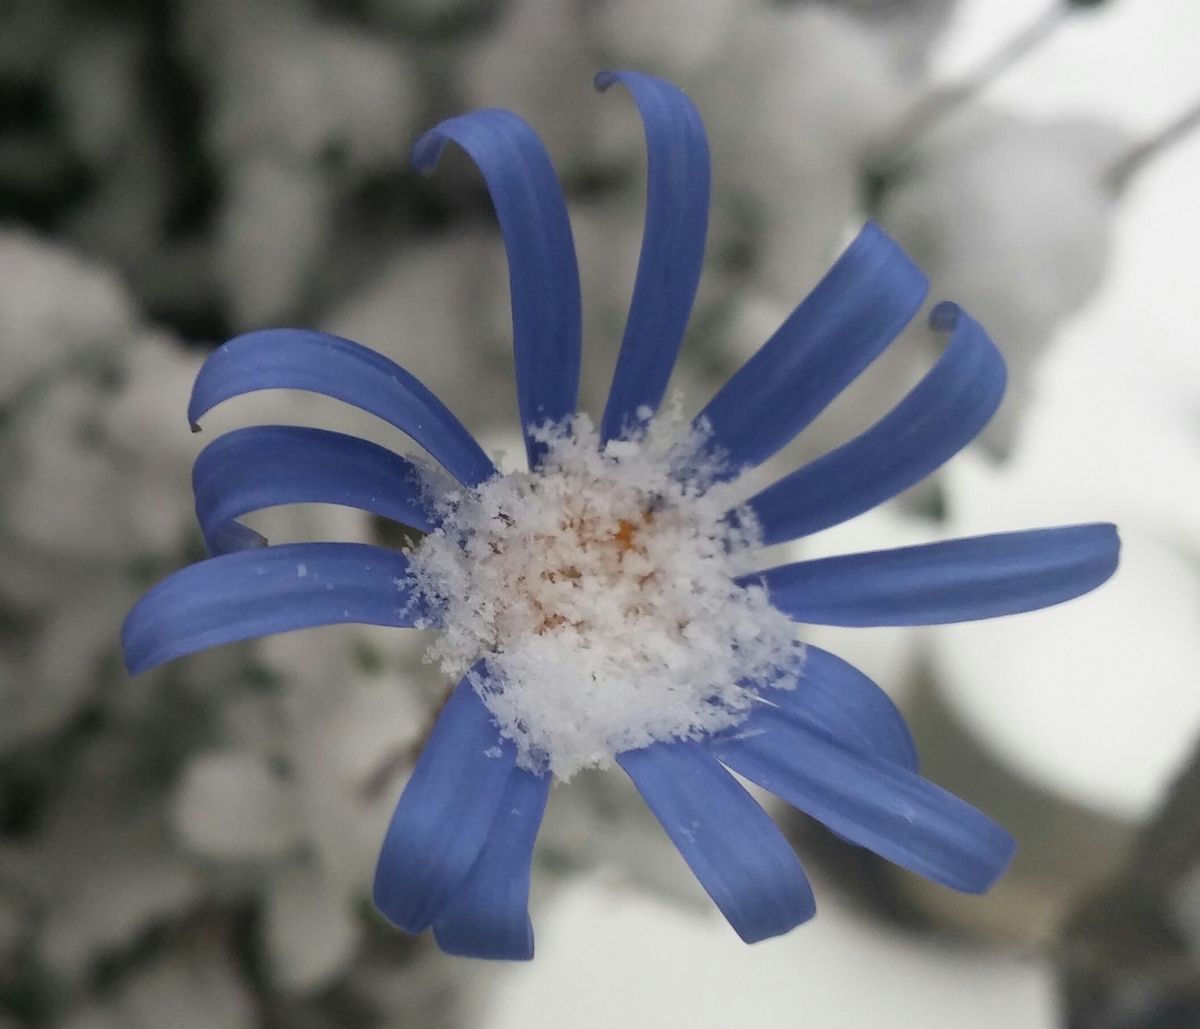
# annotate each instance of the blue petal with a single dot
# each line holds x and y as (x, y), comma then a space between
(839, 699)
(261, 592)
(942, 414)
(445, 813)
(731, 845)
(871, 802)
(672, 246)
(267, 465)
(543, 275)
(338, 368)
(852, 314)
(488, 916)
(951, 581)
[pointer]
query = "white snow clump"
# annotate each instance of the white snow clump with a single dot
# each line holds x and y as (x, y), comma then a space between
(600, 591)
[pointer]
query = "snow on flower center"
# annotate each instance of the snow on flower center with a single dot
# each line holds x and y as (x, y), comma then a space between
(598, 590)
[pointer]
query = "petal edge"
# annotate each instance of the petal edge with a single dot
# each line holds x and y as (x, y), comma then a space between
(873, 803)
(937, 418)
(861, 304)
(668, 271)
(542, 267)
(261, 592)
(950, 581)
(443, 818)
(731, 845)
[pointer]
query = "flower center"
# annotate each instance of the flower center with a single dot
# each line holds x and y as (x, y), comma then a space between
(599, 592)
(601, 550)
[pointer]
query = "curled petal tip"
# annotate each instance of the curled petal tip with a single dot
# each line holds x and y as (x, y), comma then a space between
(543, 271)
(316, 362)
(194, 426)
(604, 79)
(427, 151)
(945, 316)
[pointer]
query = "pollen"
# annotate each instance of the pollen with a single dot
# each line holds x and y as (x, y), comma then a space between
(592, 600)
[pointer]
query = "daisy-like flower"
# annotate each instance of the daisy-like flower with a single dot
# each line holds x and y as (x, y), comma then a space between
(602, 606)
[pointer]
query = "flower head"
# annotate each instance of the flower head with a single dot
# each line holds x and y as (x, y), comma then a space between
(602, 605)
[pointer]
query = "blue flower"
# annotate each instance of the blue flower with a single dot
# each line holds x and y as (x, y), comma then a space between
(458, 853)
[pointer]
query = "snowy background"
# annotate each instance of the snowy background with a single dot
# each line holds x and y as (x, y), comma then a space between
(194, 848)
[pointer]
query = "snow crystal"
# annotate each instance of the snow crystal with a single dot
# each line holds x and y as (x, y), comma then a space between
(600, 590)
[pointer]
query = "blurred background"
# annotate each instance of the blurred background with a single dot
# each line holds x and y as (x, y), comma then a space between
(194, 848)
